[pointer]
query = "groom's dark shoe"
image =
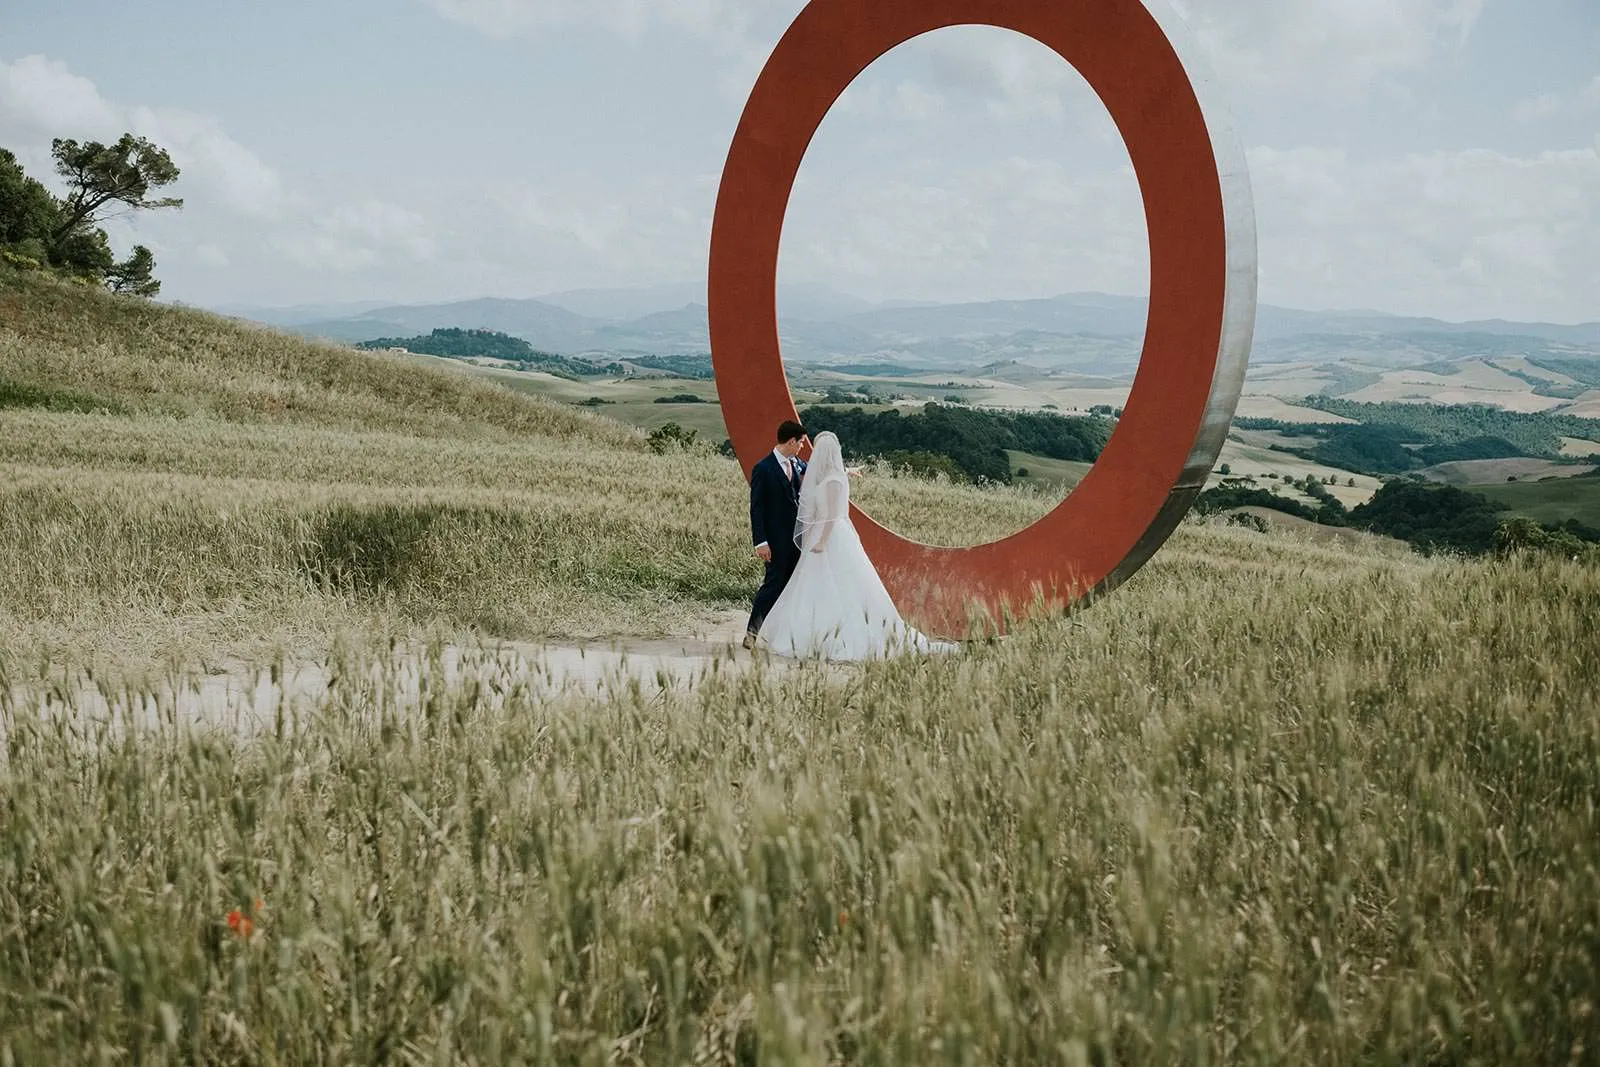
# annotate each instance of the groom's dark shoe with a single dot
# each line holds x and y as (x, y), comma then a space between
(750, 639)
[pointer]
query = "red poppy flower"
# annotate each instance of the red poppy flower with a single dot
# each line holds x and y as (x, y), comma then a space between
(241, 924)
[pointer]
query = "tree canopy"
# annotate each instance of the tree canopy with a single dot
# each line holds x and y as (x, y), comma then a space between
(40, 231)
(27, 210)
(974, 441)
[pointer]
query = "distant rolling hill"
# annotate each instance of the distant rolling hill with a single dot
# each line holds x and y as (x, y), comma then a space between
(544, 326)
(1078, 333)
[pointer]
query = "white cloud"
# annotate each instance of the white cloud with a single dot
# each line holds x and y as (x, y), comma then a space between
(654, 229)
(359, 235)
(903, 99)
(1312, 46)
(40, 95)
(1264, 40)
(321, 253)
(210, 159)
(514, 18)
(1019, 227)
(1015, 76)
(1548, 106)
(1443, 233)
(730, 22)
(1011, 74)
(380, 223)
(1447, 233)
(1537, 109)
(40, 99)
(237, 207)
(738, 34)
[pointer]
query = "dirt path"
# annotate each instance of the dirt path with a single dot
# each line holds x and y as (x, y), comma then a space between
(247, 696)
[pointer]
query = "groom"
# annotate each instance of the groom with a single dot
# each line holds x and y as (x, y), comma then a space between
(774, 500)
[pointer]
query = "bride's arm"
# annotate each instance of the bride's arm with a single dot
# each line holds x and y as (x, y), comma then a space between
(836, 504)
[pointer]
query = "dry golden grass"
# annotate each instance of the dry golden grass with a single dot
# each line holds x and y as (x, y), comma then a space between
(152, 539)
(1271, 803)
(87, 350)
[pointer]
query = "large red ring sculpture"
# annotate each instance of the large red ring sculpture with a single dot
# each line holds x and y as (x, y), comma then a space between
(1202, 285)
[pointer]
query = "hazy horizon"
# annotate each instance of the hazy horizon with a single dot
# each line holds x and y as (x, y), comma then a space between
(560, 298)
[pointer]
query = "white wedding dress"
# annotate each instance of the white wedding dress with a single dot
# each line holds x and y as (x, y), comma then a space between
(835, 606)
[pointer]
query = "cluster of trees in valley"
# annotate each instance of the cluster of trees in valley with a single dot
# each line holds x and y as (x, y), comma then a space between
(455, 343)
(1431, 518)
(965, 443)
(1586, 372)
(677, 366)
(1393, 438)
(40, 231)
(1233, 495)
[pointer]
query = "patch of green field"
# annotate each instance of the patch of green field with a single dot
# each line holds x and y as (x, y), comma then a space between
(1344, 379)
(1268, 438)
(885, 388)
(1042, 470)
(1585, 371)
(628, 400)
(17, 395)
(704, 419)
(1553, 501)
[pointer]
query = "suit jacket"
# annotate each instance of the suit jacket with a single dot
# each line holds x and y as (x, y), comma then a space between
(774, 502)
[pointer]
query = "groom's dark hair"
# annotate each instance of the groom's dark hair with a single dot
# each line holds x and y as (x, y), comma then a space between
(790, 430)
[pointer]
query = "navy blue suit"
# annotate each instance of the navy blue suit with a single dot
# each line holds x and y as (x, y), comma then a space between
(774, 501)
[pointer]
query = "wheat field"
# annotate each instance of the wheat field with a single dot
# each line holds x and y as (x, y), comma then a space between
(1272, 802)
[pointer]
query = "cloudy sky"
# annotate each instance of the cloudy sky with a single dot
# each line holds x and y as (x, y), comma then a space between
(1436, 157)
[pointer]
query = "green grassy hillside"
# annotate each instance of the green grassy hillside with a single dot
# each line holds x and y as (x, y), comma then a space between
(66, 348)
(1043, 470)
(1274, 801)
(1553, 501)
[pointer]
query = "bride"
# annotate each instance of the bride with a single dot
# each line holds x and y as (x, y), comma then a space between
(835, 605)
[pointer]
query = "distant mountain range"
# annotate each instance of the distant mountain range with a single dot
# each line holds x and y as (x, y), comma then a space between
(1084, 333)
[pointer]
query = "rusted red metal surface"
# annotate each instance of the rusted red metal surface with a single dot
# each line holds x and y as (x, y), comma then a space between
(1122, 51)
